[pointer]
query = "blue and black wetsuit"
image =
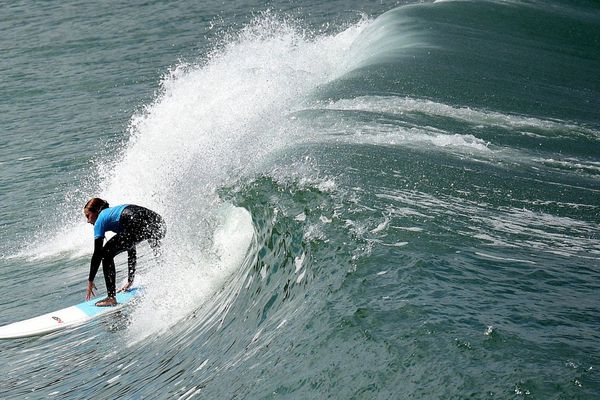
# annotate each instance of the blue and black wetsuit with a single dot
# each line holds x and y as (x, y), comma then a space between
(132, 225)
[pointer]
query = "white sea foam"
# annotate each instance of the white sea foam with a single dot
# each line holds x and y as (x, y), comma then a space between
(587, 166)
(180, 284)
(478, 117)
(422, 135)
(531, 230)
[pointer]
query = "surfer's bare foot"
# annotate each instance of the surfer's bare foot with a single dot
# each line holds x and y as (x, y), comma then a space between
(107, 302)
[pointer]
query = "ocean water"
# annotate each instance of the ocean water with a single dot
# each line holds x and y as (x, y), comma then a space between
(365, 200)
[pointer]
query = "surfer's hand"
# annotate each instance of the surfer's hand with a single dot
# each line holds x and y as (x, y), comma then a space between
(90, 290)
(126, 287)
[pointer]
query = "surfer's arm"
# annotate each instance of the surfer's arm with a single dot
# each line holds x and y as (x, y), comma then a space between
(96, 258)
(90, 290)
(94, 265)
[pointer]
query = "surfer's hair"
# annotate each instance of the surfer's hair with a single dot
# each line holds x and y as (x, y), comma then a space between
(96, 205)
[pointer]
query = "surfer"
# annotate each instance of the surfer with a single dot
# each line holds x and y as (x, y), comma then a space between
(132, 225)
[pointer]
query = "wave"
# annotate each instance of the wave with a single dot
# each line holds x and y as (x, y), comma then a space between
(340, 195)
(214, 124)
(230, 117)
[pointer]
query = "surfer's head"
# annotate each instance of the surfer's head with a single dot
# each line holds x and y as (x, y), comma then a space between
(92, 209)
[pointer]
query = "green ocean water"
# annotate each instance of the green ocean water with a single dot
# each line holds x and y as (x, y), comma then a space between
(367, 201)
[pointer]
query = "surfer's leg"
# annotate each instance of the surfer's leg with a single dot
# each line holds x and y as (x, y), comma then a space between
(145, 224)
(157, 234)
(117, 244)
(108, 267)
(131, 263)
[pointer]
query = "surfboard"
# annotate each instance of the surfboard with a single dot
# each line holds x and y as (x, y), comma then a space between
(65, 318)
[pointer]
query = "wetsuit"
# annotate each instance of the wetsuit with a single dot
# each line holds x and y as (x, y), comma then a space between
(132, 225)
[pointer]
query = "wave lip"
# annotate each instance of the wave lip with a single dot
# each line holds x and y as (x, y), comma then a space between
(388, 39)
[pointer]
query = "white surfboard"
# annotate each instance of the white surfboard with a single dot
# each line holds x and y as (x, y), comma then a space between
(65, 318)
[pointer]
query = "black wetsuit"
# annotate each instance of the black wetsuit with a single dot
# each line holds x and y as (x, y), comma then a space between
(136, 225)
